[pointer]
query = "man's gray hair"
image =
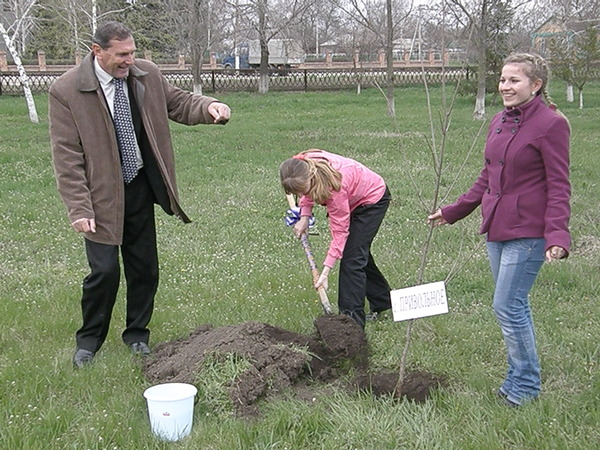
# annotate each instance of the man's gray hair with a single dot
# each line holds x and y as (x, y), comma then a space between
(109, 31)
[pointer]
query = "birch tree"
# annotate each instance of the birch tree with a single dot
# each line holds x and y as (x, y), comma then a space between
(22, 10)
(79, 20)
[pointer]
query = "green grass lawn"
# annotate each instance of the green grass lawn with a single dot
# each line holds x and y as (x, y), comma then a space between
(238, 262)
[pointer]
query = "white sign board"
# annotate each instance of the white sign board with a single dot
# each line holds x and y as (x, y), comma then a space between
(419, 301)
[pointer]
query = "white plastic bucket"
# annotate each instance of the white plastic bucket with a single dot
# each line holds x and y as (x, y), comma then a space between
(171, 409)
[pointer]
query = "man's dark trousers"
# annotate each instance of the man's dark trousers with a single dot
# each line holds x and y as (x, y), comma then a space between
(140, 264)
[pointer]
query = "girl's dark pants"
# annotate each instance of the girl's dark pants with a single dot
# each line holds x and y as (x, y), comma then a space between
(359, 275)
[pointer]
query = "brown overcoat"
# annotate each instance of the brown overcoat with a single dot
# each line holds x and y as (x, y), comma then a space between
(85, 153)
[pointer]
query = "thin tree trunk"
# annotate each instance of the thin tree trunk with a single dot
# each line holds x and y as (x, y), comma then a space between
(263, 79)
(570, 97)
(479, 113)
(23, 78)
(197, 70)
(390, 61)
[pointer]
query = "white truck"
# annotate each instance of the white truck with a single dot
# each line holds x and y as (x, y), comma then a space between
(283, 54)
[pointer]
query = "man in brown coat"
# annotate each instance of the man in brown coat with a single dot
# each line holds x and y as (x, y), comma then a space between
(113, 211)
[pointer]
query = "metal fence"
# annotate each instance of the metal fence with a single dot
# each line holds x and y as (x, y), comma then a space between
(279, 80)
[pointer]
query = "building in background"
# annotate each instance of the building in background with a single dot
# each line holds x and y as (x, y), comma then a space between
(560, 31)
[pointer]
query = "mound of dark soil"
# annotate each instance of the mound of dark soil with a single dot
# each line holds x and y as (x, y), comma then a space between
(280, 360)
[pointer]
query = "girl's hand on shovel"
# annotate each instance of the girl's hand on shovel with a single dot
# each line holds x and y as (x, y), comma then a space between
(301, 226)
(323, 280)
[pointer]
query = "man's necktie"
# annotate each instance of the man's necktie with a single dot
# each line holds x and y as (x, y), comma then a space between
(125, 132)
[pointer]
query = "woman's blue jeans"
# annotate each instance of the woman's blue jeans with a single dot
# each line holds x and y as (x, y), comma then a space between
(515, 265)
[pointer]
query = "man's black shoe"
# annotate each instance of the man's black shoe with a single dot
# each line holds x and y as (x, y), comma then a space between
(82, 358)
(140, 348)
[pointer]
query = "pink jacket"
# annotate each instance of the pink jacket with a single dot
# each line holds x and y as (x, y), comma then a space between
(524, 187)
(360, 186)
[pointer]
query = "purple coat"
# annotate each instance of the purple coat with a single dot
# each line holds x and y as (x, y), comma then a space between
(524, 187)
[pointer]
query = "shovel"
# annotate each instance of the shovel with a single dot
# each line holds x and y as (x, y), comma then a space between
(311, 262)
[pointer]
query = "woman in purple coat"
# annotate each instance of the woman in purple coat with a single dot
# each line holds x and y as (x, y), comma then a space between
(524, 193)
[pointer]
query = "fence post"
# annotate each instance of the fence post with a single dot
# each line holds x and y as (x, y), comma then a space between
(148, 55)
(213, 60)
(181, 62)
(381, 57)
(305, 80)
(42, 60)
(3, 62)
(328, 58)
(356, 57)
(77, 57)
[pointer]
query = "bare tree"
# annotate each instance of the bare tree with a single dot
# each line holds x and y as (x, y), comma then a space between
(440, 134)
(22, 11)
(81, 18)
(196, 26)
(575, 16)
(267, 19)
(382, 18)
(572, 10)
(322, 24)
(573, 60)
(483, 19)
(22, 19)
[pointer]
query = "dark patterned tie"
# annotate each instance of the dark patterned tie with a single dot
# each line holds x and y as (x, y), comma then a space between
(125, 132)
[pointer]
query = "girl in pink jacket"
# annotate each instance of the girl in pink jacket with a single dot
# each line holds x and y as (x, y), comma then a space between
(356, 199)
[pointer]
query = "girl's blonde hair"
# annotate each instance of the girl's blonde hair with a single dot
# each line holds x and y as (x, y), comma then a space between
(535, 67)
(321, 178)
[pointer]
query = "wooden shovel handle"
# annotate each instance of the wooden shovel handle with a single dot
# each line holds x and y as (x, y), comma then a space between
(311, 262)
